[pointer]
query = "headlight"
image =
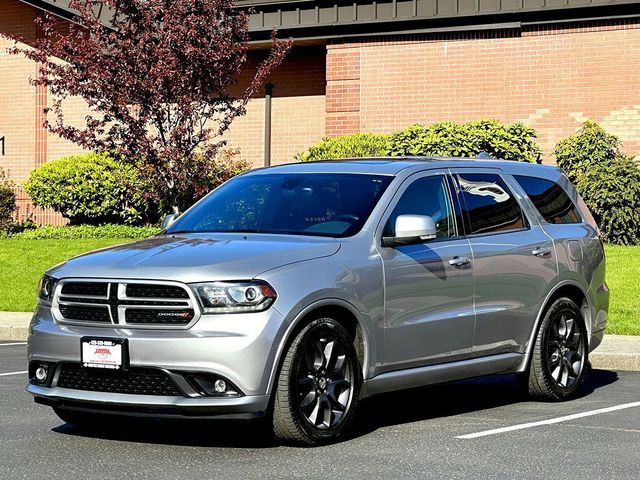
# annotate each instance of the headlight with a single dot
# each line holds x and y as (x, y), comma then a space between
(235, 297)
(46, 288)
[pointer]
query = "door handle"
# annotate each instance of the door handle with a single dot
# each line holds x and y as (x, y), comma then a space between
(459, 261)
(542, 252)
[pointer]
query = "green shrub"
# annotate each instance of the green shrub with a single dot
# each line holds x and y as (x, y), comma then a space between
(87, 231)
(227, 165)
(591, 145)
(7, 200)
(508, 142)
(607, 180)
(611, 190)
(89, 189)
(348, 146)
(221, 167)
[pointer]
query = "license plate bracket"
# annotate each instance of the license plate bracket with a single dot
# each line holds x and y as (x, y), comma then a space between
(104, 353)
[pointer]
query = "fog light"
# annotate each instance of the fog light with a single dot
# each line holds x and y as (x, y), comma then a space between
(41, 373)
(220, 386)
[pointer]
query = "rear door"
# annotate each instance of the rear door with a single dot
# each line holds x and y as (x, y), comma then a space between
(513, 260)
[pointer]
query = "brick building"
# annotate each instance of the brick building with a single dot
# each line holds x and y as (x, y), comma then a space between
(377, 66)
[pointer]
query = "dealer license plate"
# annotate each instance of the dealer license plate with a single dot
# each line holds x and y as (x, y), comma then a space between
(103, 353)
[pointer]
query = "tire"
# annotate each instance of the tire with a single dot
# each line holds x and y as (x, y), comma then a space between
(318, 385)
(560, 355)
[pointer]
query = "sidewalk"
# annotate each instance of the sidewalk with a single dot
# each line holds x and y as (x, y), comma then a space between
(617, 352)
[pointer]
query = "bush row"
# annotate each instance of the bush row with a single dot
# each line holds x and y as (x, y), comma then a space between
(71, 232)
(607, 179)
(96, 188)
(509, 142)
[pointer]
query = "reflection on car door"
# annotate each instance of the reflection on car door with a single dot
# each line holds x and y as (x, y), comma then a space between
(428, 301)
(514, 262)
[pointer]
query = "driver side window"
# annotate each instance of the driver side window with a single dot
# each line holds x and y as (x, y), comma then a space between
(426, 196)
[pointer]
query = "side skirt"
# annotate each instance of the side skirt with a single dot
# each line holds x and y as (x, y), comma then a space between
(445, 372)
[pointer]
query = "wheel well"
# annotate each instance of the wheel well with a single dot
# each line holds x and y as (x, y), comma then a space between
(579, 298)
(569, 291)
(344, 317)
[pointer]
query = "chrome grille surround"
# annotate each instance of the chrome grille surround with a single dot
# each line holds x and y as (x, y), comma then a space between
(118, 303)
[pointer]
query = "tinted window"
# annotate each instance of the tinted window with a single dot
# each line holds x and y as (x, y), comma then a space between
(334, 205)
(550, 199)
(425, 196)
(488, 203)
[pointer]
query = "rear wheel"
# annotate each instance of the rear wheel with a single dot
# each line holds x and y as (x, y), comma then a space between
(318, 385)
(560, 354)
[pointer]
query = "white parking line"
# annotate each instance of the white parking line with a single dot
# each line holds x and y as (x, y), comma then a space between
(12, 373)
(14, 343)
(551, 421)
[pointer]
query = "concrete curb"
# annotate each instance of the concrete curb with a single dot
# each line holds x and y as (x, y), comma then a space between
(14, 325)
(617, 352)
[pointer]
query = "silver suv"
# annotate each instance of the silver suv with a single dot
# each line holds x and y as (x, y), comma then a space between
(296, 291)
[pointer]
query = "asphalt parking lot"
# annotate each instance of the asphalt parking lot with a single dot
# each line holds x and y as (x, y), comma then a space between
(413, 434)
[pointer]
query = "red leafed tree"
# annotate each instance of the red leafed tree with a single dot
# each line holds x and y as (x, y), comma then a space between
(159, 78)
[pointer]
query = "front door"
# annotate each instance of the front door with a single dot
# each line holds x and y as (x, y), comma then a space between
(429, 314)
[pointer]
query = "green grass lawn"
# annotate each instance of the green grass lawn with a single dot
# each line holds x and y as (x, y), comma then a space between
(22, 263)
(623, 278)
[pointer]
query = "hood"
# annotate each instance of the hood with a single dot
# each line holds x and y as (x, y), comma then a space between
(196, 257)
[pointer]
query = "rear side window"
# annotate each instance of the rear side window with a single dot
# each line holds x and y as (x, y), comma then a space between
(488, 204)
(550, 199)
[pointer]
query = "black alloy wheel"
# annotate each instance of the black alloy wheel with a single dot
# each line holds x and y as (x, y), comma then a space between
(318, 385)
(560, 355)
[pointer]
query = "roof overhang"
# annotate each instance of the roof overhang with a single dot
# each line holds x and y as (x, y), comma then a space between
(314, 21)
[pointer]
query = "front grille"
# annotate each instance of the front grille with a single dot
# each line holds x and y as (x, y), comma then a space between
(133, 382)
(166, 317)
(137, 303)
(155, 291)
(85, 313)
(94, 289)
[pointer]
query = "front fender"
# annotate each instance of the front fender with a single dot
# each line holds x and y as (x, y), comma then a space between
(316, 284)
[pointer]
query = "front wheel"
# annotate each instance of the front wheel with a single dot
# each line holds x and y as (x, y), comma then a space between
(560, 355)
(318, 385)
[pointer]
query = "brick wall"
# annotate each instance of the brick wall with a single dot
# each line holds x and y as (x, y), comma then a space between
(297, 109)
(550, 78)
(17, 97)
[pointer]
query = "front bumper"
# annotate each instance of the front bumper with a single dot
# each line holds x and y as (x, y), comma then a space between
(241, 348)
(150, 406)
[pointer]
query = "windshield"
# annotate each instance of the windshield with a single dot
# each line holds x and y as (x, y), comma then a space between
(325, 204)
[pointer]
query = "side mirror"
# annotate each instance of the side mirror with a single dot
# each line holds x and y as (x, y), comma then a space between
(168, 220)
(411, 229)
